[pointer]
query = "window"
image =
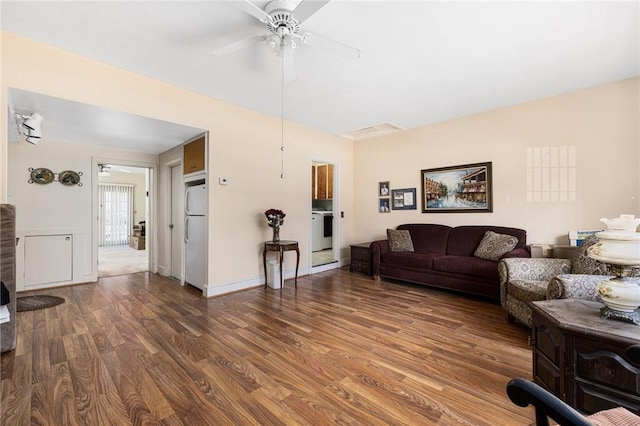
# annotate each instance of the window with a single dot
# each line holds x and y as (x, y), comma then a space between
(116, 213)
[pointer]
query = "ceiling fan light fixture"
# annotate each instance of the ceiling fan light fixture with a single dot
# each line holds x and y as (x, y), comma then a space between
(104, 170)
(273, 42)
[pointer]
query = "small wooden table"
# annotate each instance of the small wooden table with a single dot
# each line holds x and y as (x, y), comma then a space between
(280, 247)
(361, 258)
(591, 363)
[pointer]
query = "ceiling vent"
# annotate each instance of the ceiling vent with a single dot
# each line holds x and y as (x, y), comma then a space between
(372, 131)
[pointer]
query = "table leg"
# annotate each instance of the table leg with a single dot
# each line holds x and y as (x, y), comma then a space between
(264, 263)
(297, 265)
(281, 271)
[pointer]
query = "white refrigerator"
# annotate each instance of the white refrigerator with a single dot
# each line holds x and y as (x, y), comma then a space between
(195, 236)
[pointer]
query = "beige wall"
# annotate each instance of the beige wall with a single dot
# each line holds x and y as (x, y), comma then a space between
(601, 122)
(244, 148)
(55, 208)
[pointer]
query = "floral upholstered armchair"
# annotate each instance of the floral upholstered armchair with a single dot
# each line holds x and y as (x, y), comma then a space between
(525, 280)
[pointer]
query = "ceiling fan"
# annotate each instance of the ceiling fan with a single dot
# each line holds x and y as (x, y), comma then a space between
(283, 19)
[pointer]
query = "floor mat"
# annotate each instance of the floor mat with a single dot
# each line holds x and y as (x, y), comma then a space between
(33, 303)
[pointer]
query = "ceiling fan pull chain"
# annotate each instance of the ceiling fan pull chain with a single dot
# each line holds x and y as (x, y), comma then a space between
(282, 121)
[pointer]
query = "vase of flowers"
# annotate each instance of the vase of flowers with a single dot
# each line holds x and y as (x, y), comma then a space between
(275, 218)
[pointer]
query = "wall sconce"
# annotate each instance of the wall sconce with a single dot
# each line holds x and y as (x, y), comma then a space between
(30, 127)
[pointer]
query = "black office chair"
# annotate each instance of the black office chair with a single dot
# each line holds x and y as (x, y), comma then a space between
(524, 392)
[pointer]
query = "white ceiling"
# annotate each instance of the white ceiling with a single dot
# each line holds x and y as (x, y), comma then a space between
(422, 61)
(88, 124)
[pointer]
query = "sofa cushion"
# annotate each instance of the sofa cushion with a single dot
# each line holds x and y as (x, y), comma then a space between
(583, 264)
(428, 238)
(409, 259)
(399, 240)
(493, 246)
(463, 240)
(467, 266)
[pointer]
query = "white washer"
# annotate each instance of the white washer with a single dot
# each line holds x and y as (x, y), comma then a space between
(317, 231)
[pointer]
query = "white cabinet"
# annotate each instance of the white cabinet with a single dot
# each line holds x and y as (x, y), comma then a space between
(48, 259)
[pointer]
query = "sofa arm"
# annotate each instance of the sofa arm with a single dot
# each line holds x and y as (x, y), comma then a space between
(377, 248)
(575, 286)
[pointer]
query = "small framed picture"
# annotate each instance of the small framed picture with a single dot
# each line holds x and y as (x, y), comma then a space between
(383, 205)
(403, 199)
(383, 189)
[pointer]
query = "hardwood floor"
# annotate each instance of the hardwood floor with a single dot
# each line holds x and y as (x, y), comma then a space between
(341, 349)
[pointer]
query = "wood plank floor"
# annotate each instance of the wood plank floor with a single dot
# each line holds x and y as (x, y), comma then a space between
(341, 349)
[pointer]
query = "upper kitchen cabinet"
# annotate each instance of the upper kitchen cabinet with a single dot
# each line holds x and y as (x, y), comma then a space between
(194, 154)
(322, 181)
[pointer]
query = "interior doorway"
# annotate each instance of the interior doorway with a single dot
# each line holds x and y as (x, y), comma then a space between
(322, 214)
(123, 213)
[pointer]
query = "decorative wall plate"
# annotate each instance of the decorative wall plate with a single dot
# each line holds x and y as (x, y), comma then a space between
(41, 175)
(69, 177)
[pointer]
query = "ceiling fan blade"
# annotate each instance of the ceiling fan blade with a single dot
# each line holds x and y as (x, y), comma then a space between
(255, 11)
(331, 45)
(306, 8)
(237, 45)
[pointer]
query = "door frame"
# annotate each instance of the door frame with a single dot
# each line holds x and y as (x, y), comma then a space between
(335, 243)
(151, 235)
(166, 268)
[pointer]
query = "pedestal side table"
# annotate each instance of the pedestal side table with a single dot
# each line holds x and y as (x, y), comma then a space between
(280, 247)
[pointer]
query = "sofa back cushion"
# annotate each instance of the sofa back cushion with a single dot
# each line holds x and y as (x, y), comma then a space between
(463, 240)
(427, 237)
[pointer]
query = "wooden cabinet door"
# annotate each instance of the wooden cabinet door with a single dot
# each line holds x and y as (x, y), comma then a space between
(322, 181)
(330, 181)
(314, 188)
(194, 156)
(548, 351)
(48, 259)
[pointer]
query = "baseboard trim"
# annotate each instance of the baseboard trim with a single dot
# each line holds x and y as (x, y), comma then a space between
(234, 286)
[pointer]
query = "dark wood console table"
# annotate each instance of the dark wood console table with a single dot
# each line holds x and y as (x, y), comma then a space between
(590, 362)
(280, 247)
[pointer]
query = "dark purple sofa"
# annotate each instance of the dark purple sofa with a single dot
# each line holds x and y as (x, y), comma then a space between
(443, 257)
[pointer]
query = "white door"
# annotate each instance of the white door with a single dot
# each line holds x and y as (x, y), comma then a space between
(175, 222)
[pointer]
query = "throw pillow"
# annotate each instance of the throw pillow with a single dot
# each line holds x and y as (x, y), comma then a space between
(399, 240)
(493, 246)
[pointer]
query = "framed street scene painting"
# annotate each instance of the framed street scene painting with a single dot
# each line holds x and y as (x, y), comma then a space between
(457, 189)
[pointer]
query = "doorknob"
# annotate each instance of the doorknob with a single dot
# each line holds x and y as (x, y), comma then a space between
(171, 226)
